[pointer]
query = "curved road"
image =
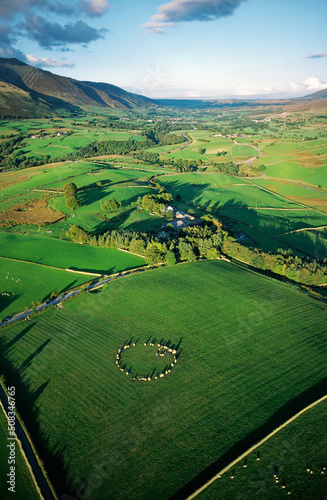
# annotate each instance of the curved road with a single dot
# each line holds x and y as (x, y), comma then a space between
(20, 433)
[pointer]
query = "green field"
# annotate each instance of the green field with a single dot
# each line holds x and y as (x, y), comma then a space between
(243, 150)
(24, 488)
(249, 345)
(288, 453)
(61, 145)
(27, 283)
(65, 254)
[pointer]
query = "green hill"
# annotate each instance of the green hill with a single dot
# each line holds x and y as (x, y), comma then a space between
(40, 92)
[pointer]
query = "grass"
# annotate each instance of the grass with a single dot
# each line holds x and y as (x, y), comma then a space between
(249, 346)
(65, 254)
(24, 488)
(243, 150)
(28, 283)
(288, 452)
(61, 145)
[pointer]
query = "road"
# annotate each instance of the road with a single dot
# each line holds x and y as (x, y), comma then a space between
(68, 295)
(179, 148)
(38, 473)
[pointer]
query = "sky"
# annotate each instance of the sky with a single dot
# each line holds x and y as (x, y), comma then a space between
(177, 48)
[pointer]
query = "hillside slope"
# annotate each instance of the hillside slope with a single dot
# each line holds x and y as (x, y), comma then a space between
(44, 91)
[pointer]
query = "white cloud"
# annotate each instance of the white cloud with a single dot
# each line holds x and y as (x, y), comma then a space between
(94, 7)
(314, 84)
(189, 10)
(45, 62)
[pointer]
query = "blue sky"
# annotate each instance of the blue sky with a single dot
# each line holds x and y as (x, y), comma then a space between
(178, 48)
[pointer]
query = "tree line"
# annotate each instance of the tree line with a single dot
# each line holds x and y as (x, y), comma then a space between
(205, 241)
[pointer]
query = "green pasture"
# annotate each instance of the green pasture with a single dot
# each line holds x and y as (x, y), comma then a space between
(221, 191)
(244, 140)
(288, 453)
(206, 140)
(294, 171)
(275, 223)
(24, 283)
(249, 345)
(282, 148)
(63, 144)
(313, 243)
(24, 487)
(65, 254)
(308, 195)
(243, 150)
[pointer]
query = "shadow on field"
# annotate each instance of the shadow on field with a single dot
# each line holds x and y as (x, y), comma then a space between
(26, 397)
(6, 301)
(19, 336)
(287, 411)
(92, 195)
(68, 287)
(30, 358)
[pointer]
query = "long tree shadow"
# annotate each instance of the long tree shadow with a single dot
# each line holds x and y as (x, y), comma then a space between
(284, 413)
(89, 196)
(30, 358)
(26, 399)
(6, 301)
(19, 336)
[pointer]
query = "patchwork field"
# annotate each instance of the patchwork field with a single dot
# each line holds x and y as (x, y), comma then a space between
(249, 346)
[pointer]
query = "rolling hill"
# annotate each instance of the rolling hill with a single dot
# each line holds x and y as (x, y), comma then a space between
(26, 91)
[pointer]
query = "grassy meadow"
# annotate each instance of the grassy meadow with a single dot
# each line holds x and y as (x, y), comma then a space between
(22, 283)
(65, 254)
(249, 346)
(288, 453)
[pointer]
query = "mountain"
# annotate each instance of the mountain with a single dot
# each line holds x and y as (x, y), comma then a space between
(321, 94)
(27, 90)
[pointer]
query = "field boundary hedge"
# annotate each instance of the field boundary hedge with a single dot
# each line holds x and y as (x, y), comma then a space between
(49, 267)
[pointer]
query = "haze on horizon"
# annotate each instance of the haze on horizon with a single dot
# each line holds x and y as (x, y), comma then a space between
(179, 48)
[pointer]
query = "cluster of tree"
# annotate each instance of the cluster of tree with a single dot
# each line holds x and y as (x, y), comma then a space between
(206, 241)
(284, 262)
(154, 203)
(159, 134)
(227, 168)
(111, 205)
(8, 148)
(70, 193)
(183, 165)
(109, 148)
(148, 157)
(192, 243)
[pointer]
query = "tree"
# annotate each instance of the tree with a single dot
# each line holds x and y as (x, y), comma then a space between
(70, 189)
(111, 205)
(72, 202)
(170, 215)
(154, 253)
(170, 258)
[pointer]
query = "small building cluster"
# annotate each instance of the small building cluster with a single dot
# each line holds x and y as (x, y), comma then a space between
(181, 219)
